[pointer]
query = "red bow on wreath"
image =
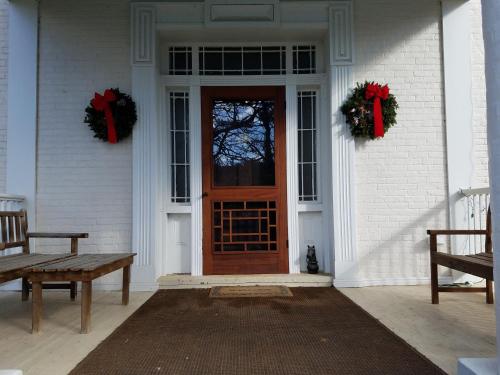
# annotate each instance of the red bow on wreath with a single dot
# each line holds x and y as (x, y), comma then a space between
(377, 93)
(102, 103)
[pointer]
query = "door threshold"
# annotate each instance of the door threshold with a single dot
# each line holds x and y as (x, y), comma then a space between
(290, 280)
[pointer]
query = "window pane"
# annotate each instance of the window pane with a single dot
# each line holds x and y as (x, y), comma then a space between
(242, 60)
(304, 59)
(179, 144)
(180, 60)
(307, 147)
(243, 143)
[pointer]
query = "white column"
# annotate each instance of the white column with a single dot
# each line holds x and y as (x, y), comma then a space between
(343, 152)
(145, 148)
(491, 32)
(458, 105)
(22, 102)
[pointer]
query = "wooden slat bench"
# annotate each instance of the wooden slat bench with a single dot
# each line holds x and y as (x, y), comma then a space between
(480, 264)
(14, 233)
(84, 268)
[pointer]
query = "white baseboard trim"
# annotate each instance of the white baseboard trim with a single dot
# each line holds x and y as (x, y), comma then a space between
(359, 283)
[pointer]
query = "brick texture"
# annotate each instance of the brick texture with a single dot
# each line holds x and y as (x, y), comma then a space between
(479, 137)
(4, 35)
(401, 179)
(83, 183)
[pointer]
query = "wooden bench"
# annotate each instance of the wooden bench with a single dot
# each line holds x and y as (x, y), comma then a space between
(14, 232)
(479, 264)
(83, 268)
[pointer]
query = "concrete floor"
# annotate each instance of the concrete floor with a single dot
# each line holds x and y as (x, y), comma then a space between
(461, 326)
(60, 346)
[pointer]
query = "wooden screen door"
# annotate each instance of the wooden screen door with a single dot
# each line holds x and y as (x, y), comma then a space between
(244, 180)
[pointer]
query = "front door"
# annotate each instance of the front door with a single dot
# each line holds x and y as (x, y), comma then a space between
(244, 180)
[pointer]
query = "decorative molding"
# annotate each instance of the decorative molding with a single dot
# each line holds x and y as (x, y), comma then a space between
(144, 165)
(196, 181)
(292, 182)
(22, 99)
(341, 33)
(343, 156)
(241, 13)
(143, 34)
(344, 181)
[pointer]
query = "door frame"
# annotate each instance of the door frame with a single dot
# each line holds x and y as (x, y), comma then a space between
(233, 261)
(194, 209)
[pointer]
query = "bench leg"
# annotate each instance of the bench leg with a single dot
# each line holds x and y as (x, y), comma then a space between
(72, 290)
(126, 285)
(434, 283)
(36, 307)
(489, 292)
(25, 293)
(86, 305)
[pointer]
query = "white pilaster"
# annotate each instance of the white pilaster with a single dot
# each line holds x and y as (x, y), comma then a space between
(196, 181)
(292, 178)
(145, 147)
(22, 102)
(491, 32)
(343, 151)
(458, 105)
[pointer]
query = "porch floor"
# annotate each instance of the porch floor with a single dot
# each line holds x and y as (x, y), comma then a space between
(462, 326)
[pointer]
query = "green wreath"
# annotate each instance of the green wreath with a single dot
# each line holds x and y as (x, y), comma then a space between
(361, 112)
(111, 116)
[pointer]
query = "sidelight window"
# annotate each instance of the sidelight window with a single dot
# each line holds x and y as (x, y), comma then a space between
(307, 142)
(179, 144)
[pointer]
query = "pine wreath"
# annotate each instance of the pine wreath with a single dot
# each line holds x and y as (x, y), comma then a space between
(360, 111)
(111, 116)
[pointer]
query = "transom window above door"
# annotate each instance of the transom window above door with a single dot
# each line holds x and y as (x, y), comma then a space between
(242, 60)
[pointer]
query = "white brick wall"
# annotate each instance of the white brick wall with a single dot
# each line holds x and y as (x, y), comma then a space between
(83, 183)
(4, 25)
(401, 179)
(480, 145)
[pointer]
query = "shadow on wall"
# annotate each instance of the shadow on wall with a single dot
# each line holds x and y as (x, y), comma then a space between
(405, 253)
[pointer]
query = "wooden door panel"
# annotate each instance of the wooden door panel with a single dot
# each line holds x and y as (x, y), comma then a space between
(244, 180)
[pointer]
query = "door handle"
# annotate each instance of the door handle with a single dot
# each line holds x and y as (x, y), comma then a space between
(205, 194)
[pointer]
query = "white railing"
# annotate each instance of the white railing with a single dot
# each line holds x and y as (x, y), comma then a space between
(11, 202)
(478, 201)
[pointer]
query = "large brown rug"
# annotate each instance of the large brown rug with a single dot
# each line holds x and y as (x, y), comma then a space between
(317, 331)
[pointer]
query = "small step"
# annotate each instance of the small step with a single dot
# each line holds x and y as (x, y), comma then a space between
(291, 280)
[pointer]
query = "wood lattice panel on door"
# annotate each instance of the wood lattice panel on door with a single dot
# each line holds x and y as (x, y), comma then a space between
(244, 226)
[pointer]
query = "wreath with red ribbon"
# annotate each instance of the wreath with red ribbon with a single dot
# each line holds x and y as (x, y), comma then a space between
(111, 115)
(370, 110)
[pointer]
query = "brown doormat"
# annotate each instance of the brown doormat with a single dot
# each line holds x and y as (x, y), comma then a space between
(317, 331)
(250, 291)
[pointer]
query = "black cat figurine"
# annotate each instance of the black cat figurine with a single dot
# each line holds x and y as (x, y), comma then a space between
(312, 262)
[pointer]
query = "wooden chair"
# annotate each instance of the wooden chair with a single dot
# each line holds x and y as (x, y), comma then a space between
(14, 233)
(480, 264)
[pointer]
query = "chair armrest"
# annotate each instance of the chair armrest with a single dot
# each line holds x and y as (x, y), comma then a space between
(435, 232)
(57, 235)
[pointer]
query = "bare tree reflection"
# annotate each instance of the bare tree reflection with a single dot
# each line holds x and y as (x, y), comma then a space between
(243, 143)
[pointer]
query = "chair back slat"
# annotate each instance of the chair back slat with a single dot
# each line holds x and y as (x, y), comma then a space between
(13, 229)
(488, 244)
